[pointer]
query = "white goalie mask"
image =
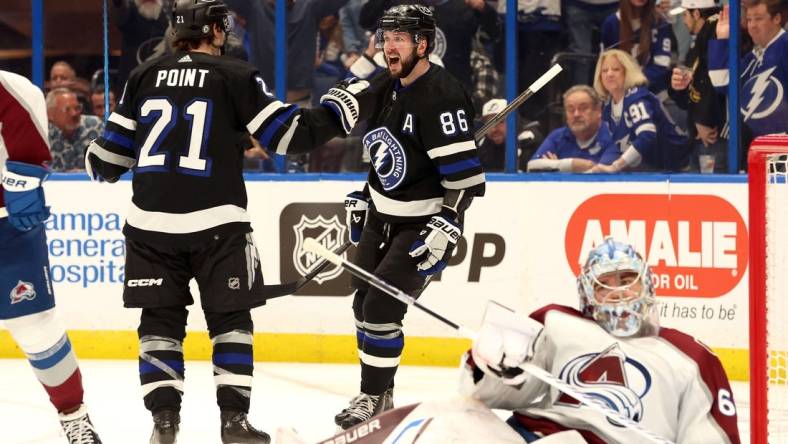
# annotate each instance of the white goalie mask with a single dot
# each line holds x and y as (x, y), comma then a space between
(616, 290)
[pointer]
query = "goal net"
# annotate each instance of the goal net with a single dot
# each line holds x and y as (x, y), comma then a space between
(768, 206)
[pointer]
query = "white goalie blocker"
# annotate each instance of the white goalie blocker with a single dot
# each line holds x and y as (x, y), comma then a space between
(458, 420)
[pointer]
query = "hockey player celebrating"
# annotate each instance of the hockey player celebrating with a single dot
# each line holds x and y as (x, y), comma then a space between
(423, 175)
(29, 312)
(613, 350)
(182, 124)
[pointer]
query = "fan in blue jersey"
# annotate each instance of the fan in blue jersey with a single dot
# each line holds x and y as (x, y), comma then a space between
(646, 135)
(763, 98)
(624, 30)
(584, 142)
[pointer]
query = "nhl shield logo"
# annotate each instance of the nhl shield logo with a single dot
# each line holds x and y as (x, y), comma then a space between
(23, 291)
(329, 232)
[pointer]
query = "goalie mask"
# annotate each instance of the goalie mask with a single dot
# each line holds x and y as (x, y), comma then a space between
(616, 290)
(416, 20)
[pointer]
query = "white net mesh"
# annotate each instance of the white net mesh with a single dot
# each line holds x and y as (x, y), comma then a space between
(776, 298)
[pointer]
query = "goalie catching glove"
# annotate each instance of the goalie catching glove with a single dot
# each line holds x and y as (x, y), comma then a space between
(348, 99)
(500, 350)
(23, 194)
(356, 206)
(436, 242)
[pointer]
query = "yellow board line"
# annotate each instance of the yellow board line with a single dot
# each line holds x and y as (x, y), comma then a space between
(299, 347)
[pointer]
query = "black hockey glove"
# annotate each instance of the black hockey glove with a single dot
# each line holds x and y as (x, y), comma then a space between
(436, 242)
(350, 101)
(356, 206)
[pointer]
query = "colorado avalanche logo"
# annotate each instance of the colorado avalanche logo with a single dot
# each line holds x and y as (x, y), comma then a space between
(765, 93)
(23, 291)
(610, 377)
(388, 157)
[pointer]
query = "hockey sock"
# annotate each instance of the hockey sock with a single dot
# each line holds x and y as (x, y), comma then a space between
(380, 355)
(47, 347)
(233, 361)
(161, 372)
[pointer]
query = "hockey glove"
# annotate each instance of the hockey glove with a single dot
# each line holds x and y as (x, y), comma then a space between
(23, 194)
(500, 351)
(343, 100)
(436, 242)
(356, 206)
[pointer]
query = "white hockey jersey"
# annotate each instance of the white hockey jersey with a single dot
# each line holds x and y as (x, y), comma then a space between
(670, 384)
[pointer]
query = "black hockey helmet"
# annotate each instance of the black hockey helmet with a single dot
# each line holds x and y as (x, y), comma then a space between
(418, 20)
(192, 19)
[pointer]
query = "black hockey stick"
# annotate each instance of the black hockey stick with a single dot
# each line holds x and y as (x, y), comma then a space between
(598, 405)
(278, 290)
(525, 95)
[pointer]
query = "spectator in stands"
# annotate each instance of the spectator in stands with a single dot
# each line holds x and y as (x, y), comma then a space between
(584, 19)
(143, 25)
(638, 29)
(457, 24)
(486, 80)
(63, 75)
(539, 32)
(492, 149)
(764, 70)
(354, 36)
(583, 143)
(97, 101)
(646, 136)
(692, 90)
(70, 132)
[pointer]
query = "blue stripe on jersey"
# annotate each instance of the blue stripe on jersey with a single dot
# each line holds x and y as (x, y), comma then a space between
(232, 359)
(146, 367)
(119, 139)
(462, 165)
(52, 357)
(276, 123)
(398, 342)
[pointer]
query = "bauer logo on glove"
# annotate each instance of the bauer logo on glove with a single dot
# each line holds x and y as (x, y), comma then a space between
(436, 242)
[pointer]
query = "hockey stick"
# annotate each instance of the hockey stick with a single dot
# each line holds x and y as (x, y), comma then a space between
(539, 373)
(278, 290)
(525, 95)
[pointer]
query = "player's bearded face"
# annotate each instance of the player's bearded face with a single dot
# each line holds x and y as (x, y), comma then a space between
(399, 50)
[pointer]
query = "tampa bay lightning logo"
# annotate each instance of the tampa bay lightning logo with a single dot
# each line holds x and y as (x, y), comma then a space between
(765, 94)
(387, 156)
(612, 378)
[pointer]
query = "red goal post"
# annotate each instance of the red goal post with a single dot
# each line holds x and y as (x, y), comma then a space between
(768, 226)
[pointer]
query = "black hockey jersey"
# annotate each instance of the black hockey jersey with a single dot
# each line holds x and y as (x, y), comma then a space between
(182, 126)
(420, 144)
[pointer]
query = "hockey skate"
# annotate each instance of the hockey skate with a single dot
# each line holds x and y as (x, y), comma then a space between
(237, 430)
(363, 407)
(165, 427)
(78, 428)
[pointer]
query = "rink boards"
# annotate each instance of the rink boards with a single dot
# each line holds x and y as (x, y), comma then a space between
(521, 246)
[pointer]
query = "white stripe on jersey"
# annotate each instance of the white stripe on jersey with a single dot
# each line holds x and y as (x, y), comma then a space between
(413, 208)
(261, 117)
(284, 142)
(662, 60)
(3, 212)
(650, 127)
(376, 361)
(718, 77)
(453, 148)
(125, 122)
(183, 223)
(151, 386)
(464, 183)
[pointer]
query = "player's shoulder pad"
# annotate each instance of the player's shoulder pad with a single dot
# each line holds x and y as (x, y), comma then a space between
(540, 314)
(689, 345)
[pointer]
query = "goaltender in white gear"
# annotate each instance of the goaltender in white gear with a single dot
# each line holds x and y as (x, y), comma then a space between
(613, 350)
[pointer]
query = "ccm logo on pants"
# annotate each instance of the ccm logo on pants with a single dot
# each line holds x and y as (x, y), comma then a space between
(145, 282)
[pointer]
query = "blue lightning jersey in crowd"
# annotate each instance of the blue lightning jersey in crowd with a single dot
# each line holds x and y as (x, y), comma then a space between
(763, 101)
(657, 69)
(645, 125)
(562, 143)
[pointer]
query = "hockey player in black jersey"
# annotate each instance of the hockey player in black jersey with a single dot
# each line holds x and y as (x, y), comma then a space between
(182, 125)
(423, 175)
